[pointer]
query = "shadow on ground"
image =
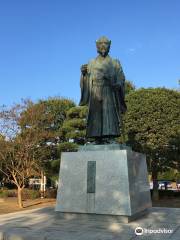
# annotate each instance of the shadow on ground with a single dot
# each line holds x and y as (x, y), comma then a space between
(45, 224)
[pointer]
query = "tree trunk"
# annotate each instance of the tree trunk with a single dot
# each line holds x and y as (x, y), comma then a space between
(20, 203)
(155, 192)
(42, 184)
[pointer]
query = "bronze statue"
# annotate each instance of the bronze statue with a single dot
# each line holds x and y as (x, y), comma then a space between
(102, 89)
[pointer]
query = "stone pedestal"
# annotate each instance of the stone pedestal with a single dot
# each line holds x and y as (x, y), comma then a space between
(103, 180)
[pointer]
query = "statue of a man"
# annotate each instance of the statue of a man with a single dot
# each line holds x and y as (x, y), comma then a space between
(102, 89)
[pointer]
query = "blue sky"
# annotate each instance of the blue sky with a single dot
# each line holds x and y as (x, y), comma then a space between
(44, 42)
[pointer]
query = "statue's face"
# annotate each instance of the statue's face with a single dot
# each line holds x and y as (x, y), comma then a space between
(103, 48)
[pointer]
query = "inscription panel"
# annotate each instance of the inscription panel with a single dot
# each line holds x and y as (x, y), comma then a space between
(91, 176)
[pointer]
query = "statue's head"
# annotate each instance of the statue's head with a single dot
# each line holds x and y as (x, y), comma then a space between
(103, 46)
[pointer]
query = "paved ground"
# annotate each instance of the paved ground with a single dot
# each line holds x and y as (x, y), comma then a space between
(42, 224)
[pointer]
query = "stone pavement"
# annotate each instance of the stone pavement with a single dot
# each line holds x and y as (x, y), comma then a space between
(43, 224)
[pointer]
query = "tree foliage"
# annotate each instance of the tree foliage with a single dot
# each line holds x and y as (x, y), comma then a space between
(129, 86)
(152, 126)
(44, 119)
(46, 115)
(29, 137)
(18, 158)
(171, 174)
(74, 127)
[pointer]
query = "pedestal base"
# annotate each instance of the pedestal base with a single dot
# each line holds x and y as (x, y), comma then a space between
(100, 217)
(108, 182)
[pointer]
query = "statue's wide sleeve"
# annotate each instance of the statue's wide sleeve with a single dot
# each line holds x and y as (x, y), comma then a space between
(84, 84)
(120, 82)
(120, 77)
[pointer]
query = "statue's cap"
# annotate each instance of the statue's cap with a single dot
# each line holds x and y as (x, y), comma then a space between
(103, 39)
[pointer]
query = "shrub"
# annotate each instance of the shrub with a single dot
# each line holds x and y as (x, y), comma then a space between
(51, 193)
(26, 193)
(30, 194)
(168, 194)
(12, 193)
(67, 147)
(3, 193)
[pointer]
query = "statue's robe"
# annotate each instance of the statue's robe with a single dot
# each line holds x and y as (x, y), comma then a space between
(102, 89)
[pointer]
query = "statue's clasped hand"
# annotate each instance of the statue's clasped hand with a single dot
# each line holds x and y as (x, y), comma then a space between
(84, 69)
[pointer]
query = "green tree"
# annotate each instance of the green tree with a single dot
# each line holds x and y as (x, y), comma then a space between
(71, 134)
(152, 127)
(46, 115)
(73, 130)
(31, 137)
(44, 119)
(129, 86)
(74, 127)
(171, 175)
(18, 158)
